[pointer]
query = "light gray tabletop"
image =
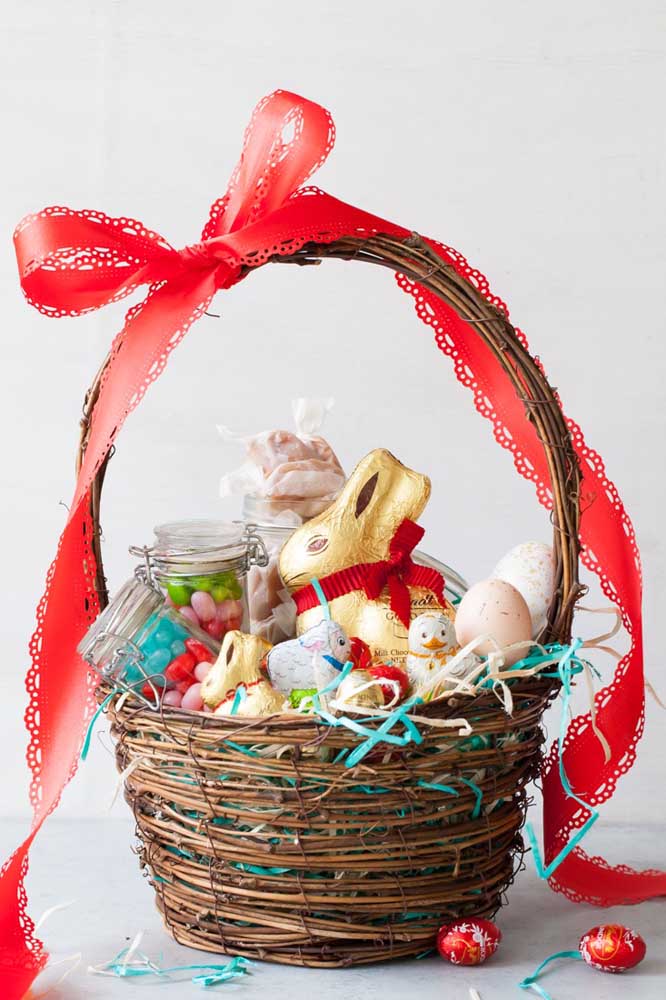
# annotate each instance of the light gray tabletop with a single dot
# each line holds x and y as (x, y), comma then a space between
(90, 863)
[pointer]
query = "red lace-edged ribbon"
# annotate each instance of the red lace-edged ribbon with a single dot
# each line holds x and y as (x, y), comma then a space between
(73, 261)
(399, 572)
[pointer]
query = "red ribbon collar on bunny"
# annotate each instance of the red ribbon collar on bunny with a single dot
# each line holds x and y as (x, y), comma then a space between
(398, 572)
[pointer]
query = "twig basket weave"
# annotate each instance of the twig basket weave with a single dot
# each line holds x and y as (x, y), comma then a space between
(257, 838)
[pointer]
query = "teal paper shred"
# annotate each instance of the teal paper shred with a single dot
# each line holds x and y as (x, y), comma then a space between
(246, 750)
(529, 982)
(476, 812)
(258, 869)
(380, 735)
(91, 725)
(239, 697)
(437, 788)
(369, 790)
(140, 965)
(180, 853)
(566, 670)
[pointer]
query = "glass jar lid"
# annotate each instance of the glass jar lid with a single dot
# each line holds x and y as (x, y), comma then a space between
(120, 621)
(198, 547)
(270, 512)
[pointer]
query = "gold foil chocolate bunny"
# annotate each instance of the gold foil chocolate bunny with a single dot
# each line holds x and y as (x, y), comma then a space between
(239, 662)
(359, 551)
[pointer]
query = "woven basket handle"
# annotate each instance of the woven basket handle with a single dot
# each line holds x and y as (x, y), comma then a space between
(417, 261)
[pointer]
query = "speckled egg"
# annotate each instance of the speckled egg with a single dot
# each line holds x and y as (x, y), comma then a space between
(530, 568)
(495, 608)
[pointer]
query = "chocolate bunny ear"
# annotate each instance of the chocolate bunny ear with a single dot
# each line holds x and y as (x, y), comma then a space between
(365, 495)
(358, 526)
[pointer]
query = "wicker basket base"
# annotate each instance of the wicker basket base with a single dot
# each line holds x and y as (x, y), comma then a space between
(260, 842)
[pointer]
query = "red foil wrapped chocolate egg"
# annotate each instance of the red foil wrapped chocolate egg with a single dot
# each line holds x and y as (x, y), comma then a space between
(468, 942)
(612, 948)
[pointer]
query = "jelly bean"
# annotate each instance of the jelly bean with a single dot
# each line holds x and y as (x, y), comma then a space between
(163, 634)
(230, 583)
(215, 628)
(182, 686)
(219, 592)
(173, 698)
(228, 609)
(158, 660)
(153, 685)
(202, 670)
(132, 674)
(202, 582)
(234, 623)
(179, 593)
(181, 667)
(180, 631)
(178, 647)
(192, 699)
(203, 605)
(201, 653)
(190, 615)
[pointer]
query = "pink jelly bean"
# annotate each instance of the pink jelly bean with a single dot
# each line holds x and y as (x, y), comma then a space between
(202, 670)
(203, 604)
(228, 609)
(215, 628)
(192, 699)
(173, 698)
(190, 614)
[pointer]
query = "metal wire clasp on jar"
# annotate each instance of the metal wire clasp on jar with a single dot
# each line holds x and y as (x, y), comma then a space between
(202, 568)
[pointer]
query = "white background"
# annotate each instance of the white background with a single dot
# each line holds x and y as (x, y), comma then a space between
(529, 136)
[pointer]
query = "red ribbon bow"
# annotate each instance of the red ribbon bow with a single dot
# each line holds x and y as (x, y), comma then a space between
(71, 262)
(398, 571)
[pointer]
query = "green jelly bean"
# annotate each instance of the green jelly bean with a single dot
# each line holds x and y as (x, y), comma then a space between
(179, 593)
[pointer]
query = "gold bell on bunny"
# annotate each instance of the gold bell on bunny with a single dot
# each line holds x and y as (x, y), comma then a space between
(359, 553)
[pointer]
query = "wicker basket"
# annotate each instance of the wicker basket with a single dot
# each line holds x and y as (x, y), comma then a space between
(257, 838)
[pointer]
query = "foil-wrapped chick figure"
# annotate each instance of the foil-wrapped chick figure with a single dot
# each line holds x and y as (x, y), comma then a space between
(312, 660)
(240, 662)
(432, 643)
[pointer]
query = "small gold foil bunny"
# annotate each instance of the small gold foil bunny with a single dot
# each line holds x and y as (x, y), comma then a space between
(239, 662)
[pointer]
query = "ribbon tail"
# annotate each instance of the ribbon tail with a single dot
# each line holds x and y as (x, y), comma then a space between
(429, 579)
(400, 599)
(59, 684)
(152, 329)
(61, 703)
